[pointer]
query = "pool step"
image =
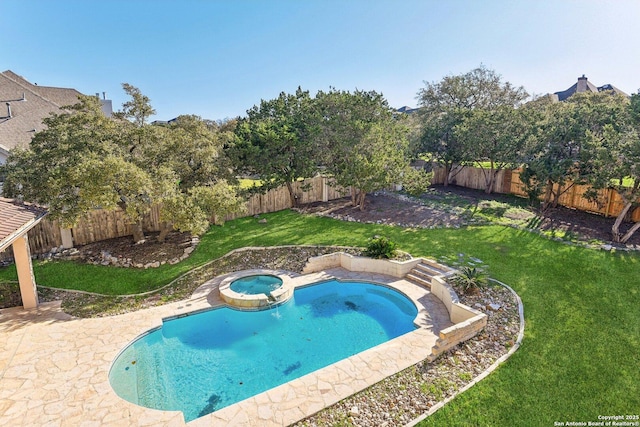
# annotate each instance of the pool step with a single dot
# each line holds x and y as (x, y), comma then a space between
(432, 268)
(422, 273)
(418, 280)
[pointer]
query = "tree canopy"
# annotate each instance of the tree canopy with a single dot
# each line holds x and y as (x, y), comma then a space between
(614, 161)
(275, 141)
(84, 160)
(364, 146)
(450, 108)
(557, 156)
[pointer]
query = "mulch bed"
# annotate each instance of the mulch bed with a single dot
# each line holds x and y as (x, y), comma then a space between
(384, 208)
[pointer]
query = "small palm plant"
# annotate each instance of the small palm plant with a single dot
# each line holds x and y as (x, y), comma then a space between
(472, 273)
(470, 278)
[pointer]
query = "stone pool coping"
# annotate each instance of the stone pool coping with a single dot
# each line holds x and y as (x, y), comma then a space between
(261, 301)
(54, 368)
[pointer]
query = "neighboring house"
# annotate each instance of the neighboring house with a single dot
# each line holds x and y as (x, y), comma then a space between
(407, 110)
(164, 122)
(583, 85)
(23, 105)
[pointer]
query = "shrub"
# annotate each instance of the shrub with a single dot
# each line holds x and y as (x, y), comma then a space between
(380, 247)
(472, 272)
(470, 279)
(415, 182)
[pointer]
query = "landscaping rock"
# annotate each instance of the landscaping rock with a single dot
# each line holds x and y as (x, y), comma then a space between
(124, 253)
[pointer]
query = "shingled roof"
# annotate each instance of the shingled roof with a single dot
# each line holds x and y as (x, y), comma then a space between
(16, 218)
(29, 104)
(584, 85)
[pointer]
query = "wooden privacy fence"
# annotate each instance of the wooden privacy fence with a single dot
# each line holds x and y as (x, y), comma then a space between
(278, 198)
(610, 203)
(470, 177)
(103, 224)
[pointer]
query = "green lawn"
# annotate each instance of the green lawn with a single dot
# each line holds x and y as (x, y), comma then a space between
(581, 354)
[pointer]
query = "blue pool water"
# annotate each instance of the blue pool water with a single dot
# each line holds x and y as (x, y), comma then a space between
(258, 284)
(203, 362)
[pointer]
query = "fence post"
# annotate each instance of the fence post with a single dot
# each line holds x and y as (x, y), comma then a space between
(67, 237)
(325, 189)
(609, 197)
(573, 196)
(506, 181)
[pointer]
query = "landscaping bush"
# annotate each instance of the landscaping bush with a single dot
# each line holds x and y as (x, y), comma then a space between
(472, 273)
(470, 279)
(415, 182)
(381, 247)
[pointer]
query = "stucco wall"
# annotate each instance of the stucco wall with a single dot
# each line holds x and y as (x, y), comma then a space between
(364, 264)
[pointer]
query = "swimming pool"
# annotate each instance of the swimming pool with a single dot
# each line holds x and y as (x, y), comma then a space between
(203, 362)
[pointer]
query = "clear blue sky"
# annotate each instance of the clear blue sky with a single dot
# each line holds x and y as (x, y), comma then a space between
(217, 59)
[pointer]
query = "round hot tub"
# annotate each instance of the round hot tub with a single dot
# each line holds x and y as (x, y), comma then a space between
(256, 289)
(257, 284)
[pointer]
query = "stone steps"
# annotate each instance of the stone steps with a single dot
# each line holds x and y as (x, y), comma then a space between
(419, 280)
(422, 273)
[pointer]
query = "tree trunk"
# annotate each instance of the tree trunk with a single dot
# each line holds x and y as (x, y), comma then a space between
(361, 198)
(556, 196)
(292, 195)
(447, 172)
(138, 233)
(490, 180)
(630, 233)
(165, 228)
(615, 229)
(354, 196)
(547, 195)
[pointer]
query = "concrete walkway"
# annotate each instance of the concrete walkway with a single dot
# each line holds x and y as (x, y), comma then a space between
(54, 368)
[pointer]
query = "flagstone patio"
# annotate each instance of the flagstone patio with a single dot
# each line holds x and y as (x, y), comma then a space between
(54, 368)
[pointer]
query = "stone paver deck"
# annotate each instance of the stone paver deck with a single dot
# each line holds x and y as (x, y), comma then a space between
(54, 368)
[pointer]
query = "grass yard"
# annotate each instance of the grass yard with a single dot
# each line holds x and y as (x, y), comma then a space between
(581, 354)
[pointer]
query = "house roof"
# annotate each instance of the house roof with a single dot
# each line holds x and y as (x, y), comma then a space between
(29, 104)
(584, 85)
(16, 218)
(406, 109)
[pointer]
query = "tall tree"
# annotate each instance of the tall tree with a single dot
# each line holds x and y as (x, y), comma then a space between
(364, 146)
(615, 163)
(203, 187)
(445, 106)
(275, 142)
(557, 157)
(84, 160)
(61, 168)
(495, 140)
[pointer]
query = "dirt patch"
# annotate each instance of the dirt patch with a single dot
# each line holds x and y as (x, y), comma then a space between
(458, 206)
(148, 251)
(384, 208)
(583, 226)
